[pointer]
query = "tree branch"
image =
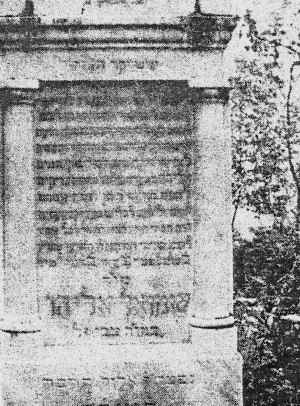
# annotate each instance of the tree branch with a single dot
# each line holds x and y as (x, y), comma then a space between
(236, 207)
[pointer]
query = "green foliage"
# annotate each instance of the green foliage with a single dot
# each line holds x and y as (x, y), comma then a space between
(267, 288)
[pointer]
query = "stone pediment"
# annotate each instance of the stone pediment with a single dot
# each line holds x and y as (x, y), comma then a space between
(189, 48)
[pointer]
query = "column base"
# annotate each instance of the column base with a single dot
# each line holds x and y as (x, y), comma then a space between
(214, 336)
(20, 324)
(214, 323)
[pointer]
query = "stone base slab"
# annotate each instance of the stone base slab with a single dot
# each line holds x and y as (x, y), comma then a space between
(135, 375)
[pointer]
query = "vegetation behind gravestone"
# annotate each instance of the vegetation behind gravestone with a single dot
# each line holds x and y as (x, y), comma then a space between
(266, 169)
(267, 292)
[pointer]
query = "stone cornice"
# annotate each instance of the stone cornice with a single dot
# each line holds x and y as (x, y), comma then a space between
(196, 32)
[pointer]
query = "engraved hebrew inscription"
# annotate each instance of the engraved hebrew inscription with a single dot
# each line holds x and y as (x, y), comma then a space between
(113, 197)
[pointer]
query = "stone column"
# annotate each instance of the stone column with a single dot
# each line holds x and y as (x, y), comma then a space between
(1, 247)
(19, 274)
(1, 213)
(211, 308)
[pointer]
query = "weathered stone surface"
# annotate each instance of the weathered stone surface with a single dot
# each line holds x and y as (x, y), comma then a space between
(127, 374)
(113, 211)
(113, 65)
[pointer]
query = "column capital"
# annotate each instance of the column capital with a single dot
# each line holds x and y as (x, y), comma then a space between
(209, 94)
(18, 91)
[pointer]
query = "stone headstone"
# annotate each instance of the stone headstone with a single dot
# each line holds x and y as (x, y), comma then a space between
(116, 206)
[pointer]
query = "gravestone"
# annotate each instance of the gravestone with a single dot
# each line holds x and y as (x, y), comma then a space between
(116, 202)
